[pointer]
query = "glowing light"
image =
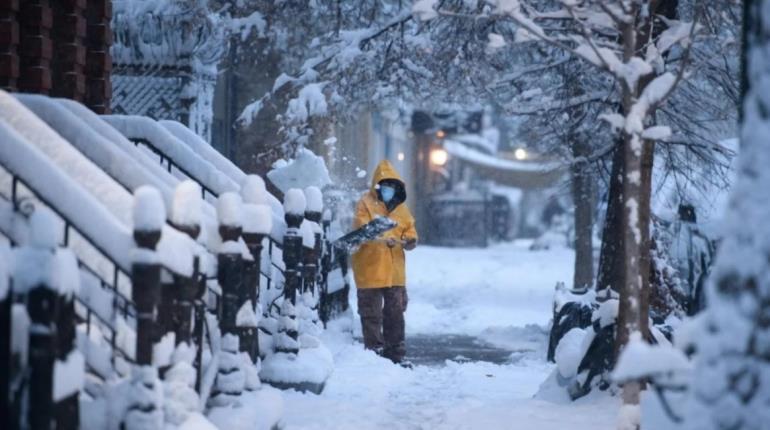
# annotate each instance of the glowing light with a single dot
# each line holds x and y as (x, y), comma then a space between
(440, 134)
(401, 156)
(520, 154)
(438, 157)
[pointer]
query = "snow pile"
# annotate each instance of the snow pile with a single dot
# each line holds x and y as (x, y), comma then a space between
(629, 417)
(640, 360)
(310, 365)
(257, 410)
(230, 210)
(307, 314)
(149, 213)
(607, 312)
(571, 350)
(231, 379)
(180, 399)
(306, 170)
(145, 400)
(287, 323)
(187, 207)
(314, 198)
(68, 375)
(294, 202)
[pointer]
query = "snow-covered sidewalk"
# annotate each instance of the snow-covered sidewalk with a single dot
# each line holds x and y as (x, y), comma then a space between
(491, 294)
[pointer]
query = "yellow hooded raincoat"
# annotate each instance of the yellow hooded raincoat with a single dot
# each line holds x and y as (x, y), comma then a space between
(375, 265)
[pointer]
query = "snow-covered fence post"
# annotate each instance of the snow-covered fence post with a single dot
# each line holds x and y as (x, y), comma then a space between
(42, 306)
(257, 224)
(325, 267)
(312, 242)
(186, 217)
(49, 278)
(230, 259)
(145, 270)
(145, 410)
(294, 207)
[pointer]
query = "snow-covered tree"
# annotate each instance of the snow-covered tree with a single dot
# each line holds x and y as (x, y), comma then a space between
(730, 385)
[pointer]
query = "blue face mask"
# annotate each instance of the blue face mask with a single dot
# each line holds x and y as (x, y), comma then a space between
(387, 193)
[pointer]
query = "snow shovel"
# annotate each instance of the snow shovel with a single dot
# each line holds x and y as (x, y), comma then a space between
(367, 232)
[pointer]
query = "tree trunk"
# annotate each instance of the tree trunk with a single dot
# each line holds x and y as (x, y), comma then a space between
(610, 273)
(583, 199)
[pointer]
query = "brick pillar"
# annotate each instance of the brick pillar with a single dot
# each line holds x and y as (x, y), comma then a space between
(69, 37)
(98, 59)
(9, 44)
(36, 48)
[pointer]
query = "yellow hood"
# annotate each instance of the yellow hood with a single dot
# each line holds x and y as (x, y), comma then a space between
(384, 170)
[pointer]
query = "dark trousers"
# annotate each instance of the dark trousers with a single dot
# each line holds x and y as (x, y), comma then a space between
(382, 320)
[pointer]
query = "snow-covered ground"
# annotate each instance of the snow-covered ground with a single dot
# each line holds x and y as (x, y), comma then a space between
(491, 294)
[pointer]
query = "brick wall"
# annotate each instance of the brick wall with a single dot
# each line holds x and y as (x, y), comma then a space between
(59, 48)
(99, 61)
(9, 44)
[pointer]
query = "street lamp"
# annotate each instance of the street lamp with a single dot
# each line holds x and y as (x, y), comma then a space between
(438, 157)
(520, 154)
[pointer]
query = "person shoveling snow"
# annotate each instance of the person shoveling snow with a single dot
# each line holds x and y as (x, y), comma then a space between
(379, 265)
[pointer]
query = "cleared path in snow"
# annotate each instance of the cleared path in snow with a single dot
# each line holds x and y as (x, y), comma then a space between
(498, 299)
